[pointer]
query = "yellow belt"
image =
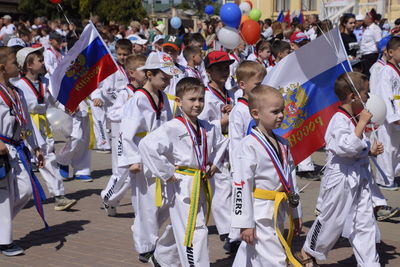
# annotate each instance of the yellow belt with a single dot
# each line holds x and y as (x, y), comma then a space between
(142, 134)
(172, 97)
(92, 138)
(198, 177)
(40, 121)
(278, 197)
(396, 97)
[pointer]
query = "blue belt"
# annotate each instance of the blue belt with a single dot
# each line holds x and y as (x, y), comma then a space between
(25, 157)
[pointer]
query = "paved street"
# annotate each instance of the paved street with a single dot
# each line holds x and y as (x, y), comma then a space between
(85, 236)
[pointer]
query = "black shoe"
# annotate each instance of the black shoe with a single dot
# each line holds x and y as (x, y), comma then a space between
(310, 175)
(146, 257)
(154, 262)
(385, 212)
(11, 250)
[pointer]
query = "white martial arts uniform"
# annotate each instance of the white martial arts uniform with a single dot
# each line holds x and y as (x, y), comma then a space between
(38, 98)
(107, 92)
(346, 201)
(141, 116)
(171, 88)
(15, 188)
(118, 183)
(254, 168)
(389, 133)
(213, 103)
(375, 78)
(171, 146)
(52, 58)
(192, 72)
(76, 149)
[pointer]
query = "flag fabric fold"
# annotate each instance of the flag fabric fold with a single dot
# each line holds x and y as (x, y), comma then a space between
(306, 78)
(79, 73)
(280, 17)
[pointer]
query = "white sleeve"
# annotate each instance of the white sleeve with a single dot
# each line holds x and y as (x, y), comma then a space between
(210, 114)
(297, 212)
(220, 147)
(115, 111)
(131, 122)
(242, 211)
(156, 150)
(344, 141)
(236, 132)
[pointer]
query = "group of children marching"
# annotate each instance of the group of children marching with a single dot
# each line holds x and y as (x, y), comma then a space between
(187, 147)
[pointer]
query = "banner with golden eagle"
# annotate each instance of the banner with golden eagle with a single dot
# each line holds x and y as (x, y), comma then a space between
(306, 79)
(79, 73)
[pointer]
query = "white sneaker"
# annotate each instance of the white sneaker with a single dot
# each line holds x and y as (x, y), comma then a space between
(110, 210)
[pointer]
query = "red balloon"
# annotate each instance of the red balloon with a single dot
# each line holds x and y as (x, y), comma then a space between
(56, 1)
(250, 31)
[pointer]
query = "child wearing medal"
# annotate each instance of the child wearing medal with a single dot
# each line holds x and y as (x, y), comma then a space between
(346, 205)
(17, 180)
(185, 153)
(38, 98)
(264, 183)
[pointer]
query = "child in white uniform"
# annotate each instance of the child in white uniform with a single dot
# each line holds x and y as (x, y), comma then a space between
(38, 98)
(147, 110)
(346, 208)
(265, 186)
(118, 183)
(182, 152)
(16, 182)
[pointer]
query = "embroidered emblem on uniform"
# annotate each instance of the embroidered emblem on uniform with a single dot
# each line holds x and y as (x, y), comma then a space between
(295, 100)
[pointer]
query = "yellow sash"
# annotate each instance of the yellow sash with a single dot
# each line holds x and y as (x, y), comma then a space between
(396, 97)
(92, 138)
(141, 134)
(40, 121)
(278, 197)
(198, 177)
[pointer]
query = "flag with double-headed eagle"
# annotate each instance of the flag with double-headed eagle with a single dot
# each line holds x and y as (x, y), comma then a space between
(79, 73)
(306, 79)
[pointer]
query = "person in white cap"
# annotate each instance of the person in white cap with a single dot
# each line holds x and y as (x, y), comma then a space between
(147, 110)
(359, 29)
(39, 99)
(139, 44)
(8, 27)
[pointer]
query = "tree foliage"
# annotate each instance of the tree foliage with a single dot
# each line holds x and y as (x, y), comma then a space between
(121, 11)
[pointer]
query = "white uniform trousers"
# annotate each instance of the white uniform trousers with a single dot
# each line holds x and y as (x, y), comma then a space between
(99, 126)
(389, 160)
(15, 192)
(179, 193)
(267, 249)
(118, 184)
(221, 183)
(76, 150)
(306, 165)
(148, 217)
(345, 208)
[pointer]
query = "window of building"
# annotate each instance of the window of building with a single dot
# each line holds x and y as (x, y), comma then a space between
(308, 5)
(282, 5)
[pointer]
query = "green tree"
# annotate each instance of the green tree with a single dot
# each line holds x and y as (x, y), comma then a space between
(121, 11)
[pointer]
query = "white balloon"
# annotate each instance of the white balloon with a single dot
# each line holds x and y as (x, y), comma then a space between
(229, 37)
(377, 107)
(245, 8)
(59, 121)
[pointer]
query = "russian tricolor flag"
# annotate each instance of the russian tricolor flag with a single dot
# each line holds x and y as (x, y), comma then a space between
(87, 64)
(306, 78)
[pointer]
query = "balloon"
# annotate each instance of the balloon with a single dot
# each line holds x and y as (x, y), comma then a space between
(231, 15)
(255, 14)
(244, 18)
(229, 37)
(159, 22)
(245, 8)
(250, 31)
(377, 107)
(209, 10)
(176, 22)
(250, 3)
(59, 121)
(56, 1)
